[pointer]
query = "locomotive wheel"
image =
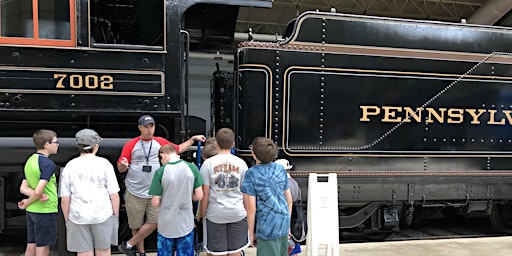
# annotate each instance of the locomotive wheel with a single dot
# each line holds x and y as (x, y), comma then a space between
(501, 217)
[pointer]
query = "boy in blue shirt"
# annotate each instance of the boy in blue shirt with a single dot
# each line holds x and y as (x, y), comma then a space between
(266, 184)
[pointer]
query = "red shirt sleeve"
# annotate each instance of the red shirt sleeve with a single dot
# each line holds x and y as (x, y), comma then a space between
(127, 150)
(163, 141)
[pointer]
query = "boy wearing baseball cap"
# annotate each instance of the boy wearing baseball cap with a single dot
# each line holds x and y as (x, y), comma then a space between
(89, 198)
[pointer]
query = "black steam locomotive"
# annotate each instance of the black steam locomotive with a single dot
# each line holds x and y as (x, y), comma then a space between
(413, 116)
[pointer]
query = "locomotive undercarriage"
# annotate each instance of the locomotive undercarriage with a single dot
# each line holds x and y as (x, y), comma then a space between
(372, 208)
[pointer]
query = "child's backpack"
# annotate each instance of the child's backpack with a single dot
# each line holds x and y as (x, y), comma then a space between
(298, 222)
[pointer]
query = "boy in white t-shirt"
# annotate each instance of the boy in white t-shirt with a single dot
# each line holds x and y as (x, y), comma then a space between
(89, 199)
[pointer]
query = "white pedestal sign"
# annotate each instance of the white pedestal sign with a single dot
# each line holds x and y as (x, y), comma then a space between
(323, 228)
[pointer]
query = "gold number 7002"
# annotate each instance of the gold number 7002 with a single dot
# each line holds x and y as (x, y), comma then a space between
(104, 82)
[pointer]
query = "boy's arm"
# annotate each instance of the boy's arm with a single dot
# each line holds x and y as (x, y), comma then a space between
(64, 205)
(28, 191)
(204, 202)
(250, 208)
(25, 189)
(198, 194)
(155, 201)
(38, 193)
(289, 200)
(115, 201)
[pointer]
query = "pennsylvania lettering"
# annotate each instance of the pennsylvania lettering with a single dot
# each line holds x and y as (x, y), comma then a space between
(442, 115)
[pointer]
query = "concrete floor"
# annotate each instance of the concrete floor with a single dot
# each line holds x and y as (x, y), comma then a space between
(493, 246)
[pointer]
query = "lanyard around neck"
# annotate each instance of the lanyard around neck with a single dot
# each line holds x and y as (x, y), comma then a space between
(144, 149)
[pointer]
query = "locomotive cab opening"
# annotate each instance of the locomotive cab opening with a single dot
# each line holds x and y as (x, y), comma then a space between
(118, 24)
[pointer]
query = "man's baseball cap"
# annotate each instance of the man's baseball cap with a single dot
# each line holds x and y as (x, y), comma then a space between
(146, 119)
(87, 138)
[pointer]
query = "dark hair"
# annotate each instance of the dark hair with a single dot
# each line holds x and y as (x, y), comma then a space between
(225, 138)
(208, 151)
(168, 149)
(264, 149)
(42, 136)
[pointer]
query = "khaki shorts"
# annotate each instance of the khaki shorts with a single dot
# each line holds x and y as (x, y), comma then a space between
(136, 208)
(87, 237)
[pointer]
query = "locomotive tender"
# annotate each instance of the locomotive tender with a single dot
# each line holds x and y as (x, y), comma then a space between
(411, 115)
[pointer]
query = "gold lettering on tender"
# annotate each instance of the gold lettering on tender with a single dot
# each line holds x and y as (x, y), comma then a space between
(415, 114)
(508, 114)
(438, 116)
(368, 111)
(455, 116)
(475, 115)
(492, 117)
(390, 114)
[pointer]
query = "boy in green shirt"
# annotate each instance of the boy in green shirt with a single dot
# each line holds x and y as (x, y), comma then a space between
(39, 184)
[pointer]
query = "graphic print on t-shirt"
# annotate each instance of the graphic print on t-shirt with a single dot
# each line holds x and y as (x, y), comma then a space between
(226, 177)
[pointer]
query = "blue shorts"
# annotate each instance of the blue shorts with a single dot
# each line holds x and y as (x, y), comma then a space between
(42, 228)
(183, 246)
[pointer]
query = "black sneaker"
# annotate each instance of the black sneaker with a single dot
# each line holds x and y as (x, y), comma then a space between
(142, 254)
(122, 248)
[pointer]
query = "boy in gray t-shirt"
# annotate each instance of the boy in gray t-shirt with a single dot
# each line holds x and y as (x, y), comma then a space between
(222, 206)
(175, 185)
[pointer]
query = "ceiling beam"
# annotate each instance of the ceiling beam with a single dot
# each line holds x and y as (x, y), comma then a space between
(490, 12)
